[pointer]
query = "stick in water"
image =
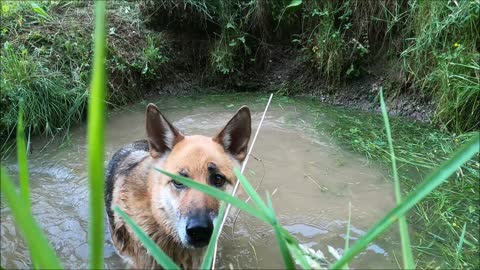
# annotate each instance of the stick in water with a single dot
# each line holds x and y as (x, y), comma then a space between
(238, 182)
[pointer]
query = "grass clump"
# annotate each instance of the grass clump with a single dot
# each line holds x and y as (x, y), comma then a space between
(439, 218)
(46, 49)
(441, 59)
(51, 102)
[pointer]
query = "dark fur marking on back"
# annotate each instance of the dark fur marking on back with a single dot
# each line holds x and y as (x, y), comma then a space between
(112, 168)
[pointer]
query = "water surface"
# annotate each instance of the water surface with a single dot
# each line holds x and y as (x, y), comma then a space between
(311, 178)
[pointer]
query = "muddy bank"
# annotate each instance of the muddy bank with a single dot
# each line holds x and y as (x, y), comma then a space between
(283, 74)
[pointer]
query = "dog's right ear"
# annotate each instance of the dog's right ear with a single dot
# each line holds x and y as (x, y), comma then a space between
(161, 135)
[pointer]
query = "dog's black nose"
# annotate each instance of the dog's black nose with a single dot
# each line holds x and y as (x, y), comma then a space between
(199, 230)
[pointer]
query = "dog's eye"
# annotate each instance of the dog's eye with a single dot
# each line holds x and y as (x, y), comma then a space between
(177, 184)
(217, 180)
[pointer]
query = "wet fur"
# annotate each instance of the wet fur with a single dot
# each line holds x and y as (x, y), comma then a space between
(142, 193)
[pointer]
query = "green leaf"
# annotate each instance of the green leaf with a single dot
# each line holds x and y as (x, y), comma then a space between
(5, 8)
(298, 255)
(218, 194)
(208, 258)
(96, 141)
(42, 252)
(347, 237)
(22, 162)
(157, 253)
(253, 194)
(294, 3)
(459, 246)
(282, 243)
(37, 9)
(404, 237)
(230, 25)
(437, 177)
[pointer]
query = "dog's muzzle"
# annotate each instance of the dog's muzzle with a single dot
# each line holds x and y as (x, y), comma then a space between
(199, 229)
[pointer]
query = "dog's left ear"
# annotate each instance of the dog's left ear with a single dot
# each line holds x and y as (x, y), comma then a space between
(235, 135)
(161, 134)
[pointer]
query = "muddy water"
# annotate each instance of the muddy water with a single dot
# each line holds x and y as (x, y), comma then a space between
(312, 181)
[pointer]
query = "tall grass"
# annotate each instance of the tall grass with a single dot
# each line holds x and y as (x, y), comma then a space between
(43, 255)
(22, 162)
(402, 221)
(96, 141)
(429, 47)
(46, 51)
(49, 102)
(441, 59)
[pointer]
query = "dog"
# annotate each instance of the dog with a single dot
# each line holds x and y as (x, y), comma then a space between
(178, 219)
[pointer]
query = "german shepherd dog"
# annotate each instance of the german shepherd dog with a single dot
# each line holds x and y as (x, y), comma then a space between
(179, 219)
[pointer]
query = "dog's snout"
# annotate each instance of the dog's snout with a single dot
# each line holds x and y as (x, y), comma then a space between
(199, 229)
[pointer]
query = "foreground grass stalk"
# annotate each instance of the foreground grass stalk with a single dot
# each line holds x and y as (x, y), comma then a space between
(96, 137)
(41, 251)
(402, 221)
(23, 171)
(22, 162)
(218, 194)
(437, 177)
(147, 242)
(208, 258)
(459, 246)
(282, 242)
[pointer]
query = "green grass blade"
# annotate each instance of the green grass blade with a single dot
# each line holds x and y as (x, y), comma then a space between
(218, 194)
(437, 177)
(298, 255)
(43, 253)
(251, 191)
(347, 237)
(22, 162)
(23, 171)
(460, 245)
(402, 222)
(347, 240)
(147, 242)
(208, 258)
(96, 138)
(282, 243)
(294, 248)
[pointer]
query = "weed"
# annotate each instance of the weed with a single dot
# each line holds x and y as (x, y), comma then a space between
(419, 149)
(441, 60)
(50, 103)
(46, 56)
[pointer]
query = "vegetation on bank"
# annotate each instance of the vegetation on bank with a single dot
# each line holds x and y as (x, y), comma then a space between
(46, 52)
(427, 49)
(438, 220)
(430, 47)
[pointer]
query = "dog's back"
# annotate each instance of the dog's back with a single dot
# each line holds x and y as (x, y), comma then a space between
(121, 164)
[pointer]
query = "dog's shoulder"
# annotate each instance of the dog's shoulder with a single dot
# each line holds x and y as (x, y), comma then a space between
(120, 169)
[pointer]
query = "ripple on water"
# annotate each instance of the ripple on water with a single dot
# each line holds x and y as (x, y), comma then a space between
(312, 178)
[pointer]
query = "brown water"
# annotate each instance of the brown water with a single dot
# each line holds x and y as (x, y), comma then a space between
(312, 181)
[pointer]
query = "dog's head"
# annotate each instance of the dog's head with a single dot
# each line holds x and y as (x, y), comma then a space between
(187, 214)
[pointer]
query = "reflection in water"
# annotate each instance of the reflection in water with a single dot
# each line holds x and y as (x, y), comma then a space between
(314, 181)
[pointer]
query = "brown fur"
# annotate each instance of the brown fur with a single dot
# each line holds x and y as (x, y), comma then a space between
(151, 199)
